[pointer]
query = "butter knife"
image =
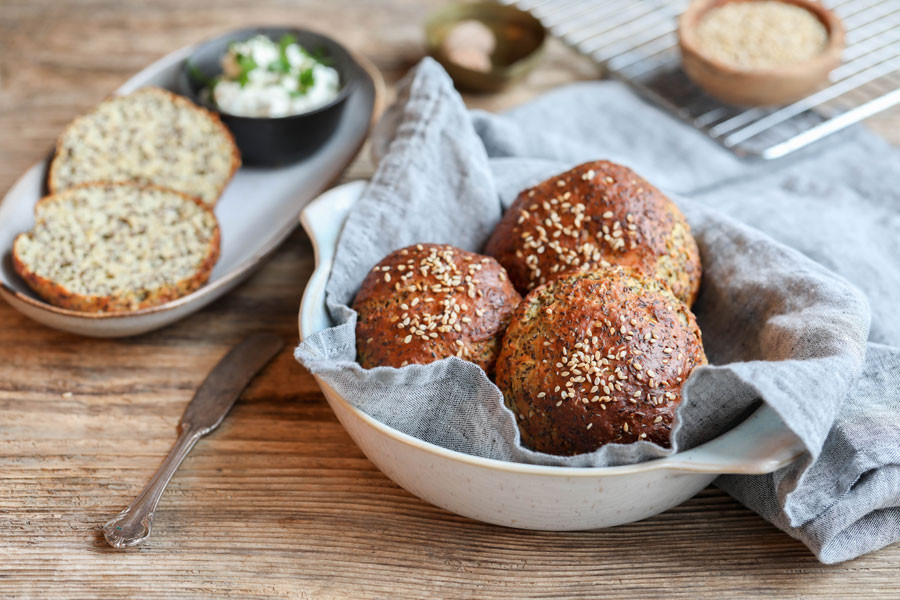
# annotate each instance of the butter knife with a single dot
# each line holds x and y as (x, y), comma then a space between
(203, 414)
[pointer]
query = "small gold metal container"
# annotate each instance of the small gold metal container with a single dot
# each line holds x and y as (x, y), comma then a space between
(518, 36)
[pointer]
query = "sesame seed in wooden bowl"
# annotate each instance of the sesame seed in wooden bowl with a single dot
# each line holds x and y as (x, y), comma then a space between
(759, 52)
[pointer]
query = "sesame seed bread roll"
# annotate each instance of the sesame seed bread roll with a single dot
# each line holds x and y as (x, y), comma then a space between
(427, 302)
(151, 137)
(597, 357)
(117, 247)
(597, 214)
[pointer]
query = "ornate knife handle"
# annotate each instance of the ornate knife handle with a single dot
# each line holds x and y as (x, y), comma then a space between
(132, 525)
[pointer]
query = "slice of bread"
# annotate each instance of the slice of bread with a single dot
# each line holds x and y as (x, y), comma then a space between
(117, 247)
(151, 137)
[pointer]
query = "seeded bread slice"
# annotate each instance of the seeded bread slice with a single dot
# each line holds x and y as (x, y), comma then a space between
(117, 247)
(151, 137)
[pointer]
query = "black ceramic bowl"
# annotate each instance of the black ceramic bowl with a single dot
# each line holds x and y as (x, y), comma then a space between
(273, 141)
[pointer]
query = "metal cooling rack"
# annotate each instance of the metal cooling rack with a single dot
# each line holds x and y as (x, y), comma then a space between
(636, 41)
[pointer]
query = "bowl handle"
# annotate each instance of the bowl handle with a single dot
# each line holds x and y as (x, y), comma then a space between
(761, 444)
(323, 219)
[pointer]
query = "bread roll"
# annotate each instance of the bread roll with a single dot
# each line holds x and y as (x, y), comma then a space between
(597, 357)
(427, 302)
(597, 214)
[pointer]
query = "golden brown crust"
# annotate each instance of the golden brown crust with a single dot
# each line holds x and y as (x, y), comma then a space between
(596, 214)
(597, 357)
(53, 181)
(59, 295)
(431, 301)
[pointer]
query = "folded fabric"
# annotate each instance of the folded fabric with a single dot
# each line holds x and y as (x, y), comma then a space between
(777, 325)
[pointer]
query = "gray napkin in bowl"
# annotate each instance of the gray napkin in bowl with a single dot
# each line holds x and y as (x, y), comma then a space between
(777, 324)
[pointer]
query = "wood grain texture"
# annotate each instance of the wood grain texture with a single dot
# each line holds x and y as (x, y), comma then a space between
(279, 503)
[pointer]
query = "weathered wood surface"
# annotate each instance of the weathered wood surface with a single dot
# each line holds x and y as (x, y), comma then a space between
(280, 503)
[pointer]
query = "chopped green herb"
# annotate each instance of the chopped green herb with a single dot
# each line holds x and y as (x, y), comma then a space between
(283, 65)
(307, 79)
(247, 64)
(285, 41)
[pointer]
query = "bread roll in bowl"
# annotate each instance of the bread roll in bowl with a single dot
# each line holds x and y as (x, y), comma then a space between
(427, 302)
(597, 214)
(597, 357)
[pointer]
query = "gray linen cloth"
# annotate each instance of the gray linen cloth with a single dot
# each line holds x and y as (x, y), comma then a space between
(785, 322)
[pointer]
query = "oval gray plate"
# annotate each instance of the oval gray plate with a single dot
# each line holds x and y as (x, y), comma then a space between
(258, 210)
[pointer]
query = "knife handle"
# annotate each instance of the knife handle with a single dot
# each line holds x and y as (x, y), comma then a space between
(132, 525)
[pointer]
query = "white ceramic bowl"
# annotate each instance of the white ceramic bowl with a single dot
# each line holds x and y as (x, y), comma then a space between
(520, 495)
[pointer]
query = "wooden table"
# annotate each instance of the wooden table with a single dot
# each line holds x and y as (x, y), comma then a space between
(279, 503)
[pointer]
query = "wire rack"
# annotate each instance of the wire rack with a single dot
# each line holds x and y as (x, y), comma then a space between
(636, 41)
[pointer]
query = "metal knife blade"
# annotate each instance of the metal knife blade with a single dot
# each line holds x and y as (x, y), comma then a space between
(224, 384)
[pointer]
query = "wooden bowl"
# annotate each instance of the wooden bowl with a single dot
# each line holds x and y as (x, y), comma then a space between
(759, 87)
